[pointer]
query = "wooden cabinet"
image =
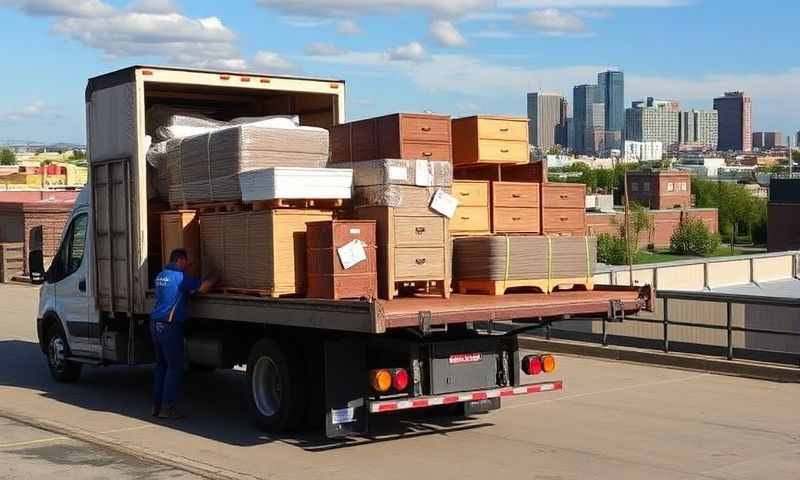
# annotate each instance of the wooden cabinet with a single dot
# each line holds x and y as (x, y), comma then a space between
(564, 208)
(534, 172)
(481, 140)
(409, 136)
(179, 229)
(413, 249)
(327, 277)
(472, 216)
(515, 207)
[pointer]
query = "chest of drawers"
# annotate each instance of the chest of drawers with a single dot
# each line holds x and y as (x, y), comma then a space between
(409, 136)
(515, 207)
(473, 216)
(327, 276)
(564, 208)
(180, 229)
(492, 140)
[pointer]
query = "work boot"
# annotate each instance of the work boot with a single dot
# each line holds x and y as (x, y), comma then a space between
(170, 413)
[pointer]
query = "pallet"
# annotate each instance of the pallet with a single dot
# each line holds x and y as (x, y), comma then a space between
(426, 287)
(321, 204)
(253, 292)
(219, 207)
(499, 287)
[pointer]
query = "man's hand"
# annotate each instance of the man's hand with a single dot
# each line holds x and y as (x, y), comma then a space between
(207, 284)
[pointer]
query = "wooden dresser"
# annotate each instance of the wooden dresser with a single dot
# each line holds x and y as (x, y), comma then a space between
(484, 139)
(413, 244)
(515, 207)
(327, 277)
(179, 229)
(535, 172)
(401, 135)
(473, 215)
(564, 208)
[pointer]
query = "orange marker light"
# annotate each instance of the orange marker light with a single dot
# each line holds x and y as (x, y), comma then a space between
(548, 363)
(381, 380)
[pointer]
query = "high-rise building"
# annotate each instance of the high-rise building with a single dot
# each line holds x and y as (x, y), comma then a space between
(611, 85)
(735, 121)
(797, 139)
(585, 115)
(544, 118)
(562, 135)
(700, 127)
(653, 124)
(767, 140)
(661, 103)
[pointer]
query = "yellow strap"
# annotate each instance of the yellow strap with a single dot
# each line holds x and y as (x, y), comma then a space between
(508, 261)
(549, 262)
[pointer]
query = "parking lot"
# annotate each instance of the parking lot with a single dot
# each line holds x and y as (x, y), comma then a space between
(612, 420)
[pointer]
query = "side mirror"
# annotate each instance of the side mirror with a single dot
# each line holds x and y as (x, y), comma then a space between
(36, 267)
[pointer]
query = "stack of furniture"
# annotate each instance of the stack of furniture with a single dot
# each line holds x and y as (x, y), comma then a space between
(473, 215)
(329, 276)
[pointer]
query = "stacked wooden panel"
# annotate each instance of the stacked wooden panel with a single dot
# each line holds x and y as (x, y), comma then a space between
(12, 261)
(490, 140)
(180, 229)
(473, 215)
(402, 135)
(262, 252)
(328, 275)
(563, 208)
(494, 264)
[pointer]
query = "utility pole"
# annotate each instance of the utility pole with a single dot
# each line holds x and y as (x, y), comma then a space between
(628, 249)
(789, 147)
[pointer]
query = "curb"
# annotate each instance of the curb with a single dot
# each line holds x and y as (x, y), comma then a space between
(738, 368)
(181, 463)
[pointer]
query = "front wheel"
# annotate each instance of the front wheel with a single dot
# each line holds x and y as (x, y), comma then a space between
(275, 390)
(61, 369)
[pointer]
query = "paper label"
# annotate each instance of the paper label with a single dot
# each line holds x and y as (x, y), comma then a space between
(423, 173)
(343, 415)
(352, 253)
(444, 203)
(398, 173)
(355, 231)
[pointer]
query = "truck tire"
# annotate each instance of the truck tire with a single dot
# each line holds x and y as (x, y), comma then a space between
(56, 350)
(275, 390)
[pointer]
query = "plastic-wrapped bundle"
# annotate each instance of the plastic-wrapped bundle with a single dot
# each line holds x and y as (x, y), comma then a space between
(295, 183)
(164, 123)
(421, 173)
(398, 196)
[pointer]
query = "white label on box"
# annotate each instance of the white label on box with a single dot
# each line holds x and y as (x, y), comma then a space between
(424, 173)
(355, 231)
(352, 253)
(444, 203)
(398, 173)
(343, 415)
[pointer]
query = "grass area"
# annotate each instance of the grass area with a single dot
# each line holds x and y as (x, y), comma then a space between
(661, 256)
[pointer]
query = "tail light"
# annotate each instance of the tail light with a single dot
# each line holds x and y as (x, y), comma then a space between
(532, 364)
(400, 379)
(381, 380)
(548, 363)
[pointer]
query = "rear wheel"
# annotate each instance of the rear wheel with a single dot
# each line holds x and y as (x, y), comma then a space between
(61, 369)
(275, 391)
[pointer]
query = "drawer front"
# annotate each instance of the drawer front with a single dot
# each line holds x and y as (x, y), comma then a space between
(503, 151)
(470, 219)
(414, 231)
(425, 128)
(344, 233)
(508, 194)
(419, 263)
(427, 151)
(471, 194)
(515, 220)
(563, 220)
(498, 129)
(563, 196)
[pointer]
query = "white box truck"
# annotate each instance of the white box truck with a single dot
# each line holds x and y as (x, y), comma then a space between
(309, 362)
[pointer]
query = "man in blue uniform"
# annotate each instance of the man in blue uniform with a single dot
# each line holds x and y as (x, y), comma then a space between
(173, 287)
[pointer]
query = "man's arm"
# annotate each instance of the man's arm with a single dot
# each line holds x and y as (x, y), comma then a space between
(195, 285)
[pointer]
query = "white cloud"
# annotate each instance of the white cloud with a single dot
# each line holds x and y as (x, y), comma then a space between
(35, 109)
(447, 35)
(591, 3)
(152, 6)
(552, 21)
(57, 8)
(493, 34)
(348, 27)
(322, 49)
(271, 62)
(348, 8)
(413, 52)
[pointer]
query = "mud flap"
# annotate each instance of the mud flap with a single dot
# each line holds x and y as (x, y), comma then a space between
(346, 377)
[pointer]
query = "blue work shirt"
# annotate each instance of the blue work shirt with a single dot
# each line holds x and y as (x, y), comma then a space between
(173, 288)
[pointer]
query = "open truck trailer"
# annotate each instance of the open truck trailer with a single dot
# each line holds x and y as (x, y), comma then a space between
(309, 361)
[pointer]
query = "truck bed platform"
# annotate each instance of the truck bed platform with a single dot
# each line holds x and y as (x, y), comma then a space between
(382, 315)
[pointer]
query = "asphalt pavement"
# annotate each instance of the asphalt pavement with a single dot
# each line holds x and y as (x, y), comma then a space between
(612, 420)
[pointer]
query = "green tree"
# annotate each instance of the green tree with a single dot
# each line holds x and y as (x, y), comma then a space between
(588, 175)
(7, 157)
(611, 250)
(693, 237)
(78, 155)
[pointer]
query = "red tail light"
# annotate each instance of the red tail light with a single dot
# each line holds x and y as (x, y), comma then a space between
(532, 364)
(400, 379)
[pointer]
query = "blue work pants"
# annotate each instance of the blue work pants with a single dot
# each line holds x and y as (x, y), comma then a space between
(168, 343)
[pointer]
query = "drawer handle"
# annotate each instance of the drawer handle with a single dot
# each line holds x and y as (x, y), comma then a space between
(564, 196)
(420, 230)
(465, 218)
(503, 150)
(421, 261)
(516, 195)
(464, 194)
(427, 154)
(426, 129)
(564, 219)
(504, 129)
(516, 219)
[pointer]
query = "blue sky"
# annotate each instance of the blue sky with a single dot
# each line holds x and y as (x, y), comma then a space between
(454, 56)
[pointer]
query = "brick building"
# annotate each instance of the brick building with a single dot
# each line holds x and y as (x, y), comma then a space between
(665, 222)
(660, 189)
(19, 219)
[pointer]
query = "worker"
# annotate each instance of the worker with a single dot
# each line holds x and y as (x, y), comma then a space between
(173, 287)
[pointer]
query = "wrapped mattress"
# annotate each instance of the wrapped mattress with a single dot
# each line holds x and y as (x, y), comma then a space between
(523, 257)
(295, 183)
(420, 173)
(206, 167)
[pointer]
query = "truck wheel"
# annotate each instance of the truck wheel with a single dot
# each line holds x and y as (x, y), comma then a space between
(61, 369)
(275, 390)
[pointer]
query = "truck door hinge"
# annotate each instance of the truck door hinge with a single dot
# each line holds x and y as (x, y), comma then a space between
(616, 311)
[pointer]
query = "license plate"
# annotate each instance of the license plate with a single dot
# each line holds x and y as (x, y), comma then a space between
(465, 358)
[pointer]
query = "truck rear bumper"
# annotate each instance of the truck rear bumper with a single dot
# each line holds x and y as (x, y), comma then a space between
(383, 406)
